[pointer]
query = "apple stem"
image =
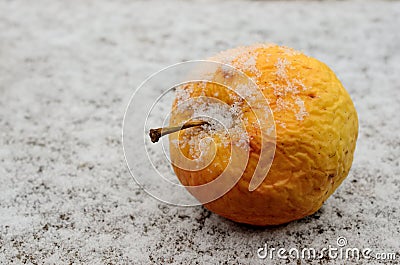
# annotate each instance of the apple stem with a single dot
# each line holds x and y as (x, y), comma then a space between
(156, 134)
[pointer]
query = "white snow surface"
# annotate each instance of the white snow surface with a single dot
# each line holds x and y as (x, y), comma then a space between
(68, 69)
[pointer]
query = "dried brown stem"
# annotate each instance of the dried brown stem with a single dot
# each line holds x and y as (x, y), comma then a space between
(156, 134)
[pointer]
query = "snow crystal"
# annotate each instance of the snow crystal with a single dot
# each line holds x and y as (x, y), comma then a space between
(286, 90)
(302, 109)
(282, 104)
(183, 92)
(290, 51)
(247, 92)
(281, 65)
(247, 62)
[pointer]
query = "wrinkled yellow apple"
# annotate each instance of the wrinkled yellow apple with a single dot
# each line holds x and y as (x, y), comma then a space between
(316, 133)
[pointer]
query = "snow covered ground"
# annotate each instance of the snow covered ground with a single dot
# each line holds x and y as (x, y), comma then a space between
(67, 72)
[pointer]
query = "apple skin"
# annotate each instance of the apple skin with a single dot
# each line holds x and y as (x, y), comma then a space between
(316, 133)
